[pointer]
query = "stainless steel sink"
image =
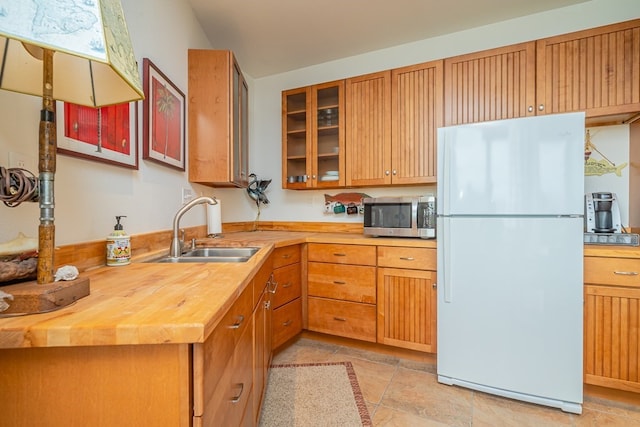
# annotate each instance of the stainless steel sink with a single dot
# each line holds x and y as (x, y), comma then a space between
(221, 252)
(212, 254)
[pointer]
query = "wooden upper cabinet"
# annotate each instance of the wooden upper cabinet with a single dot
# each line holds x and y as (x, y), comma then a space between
(597, 71)
(218, 119)
(313, 136)
(368, 129)
(490, 85)
(296, 137)
(416, 111)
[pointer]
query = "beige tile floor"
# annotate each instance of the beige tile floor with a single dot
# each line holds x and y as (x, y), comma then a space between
(405, 392)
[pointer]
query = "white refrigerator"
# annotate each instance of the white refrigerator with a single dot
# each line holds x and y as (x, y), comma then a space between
(510, 247)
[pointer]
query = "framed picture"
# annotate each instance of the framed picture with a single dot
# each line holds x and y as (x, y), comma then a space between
(107, 134)
(163, 119)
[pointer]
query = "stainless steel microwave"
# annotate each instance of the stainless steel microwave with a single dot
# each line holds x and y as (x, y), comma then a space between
(409, 216)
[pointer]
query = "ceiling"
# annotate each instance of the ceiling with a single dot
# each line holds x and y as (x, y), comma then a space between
(271, 37)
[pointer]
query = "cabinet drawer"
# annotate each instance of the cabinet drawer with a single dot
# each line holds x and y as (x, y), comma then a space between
(405, 257)
(211, 357)
(288, 280)
(287, 322)
(612, 271)
(234, 391)
(342, 254)
(345, 282)
(285, 255)
(342, 318)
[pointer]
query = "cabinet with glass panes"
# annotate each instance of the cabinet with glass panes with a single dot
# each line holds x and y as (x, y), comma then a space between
(313, 136)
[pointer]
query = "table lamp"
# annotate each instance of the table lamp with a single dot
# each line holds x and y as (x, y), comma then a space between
(77, 52)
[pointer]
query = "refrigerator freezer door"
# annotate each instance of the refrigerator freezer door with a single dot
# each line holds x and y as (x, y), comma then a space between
(530, 166)
(512, 325)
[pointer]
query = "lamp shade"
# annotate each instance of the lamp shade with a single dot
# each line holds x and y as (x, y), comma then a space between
(93, 59)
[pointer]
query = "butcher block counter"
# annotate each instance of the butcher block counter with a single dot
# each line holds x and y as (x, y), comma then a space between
(153, 303)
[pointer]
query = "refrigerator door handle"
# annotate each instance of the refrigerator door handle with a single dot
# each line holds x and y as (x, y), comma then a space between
(444, 276)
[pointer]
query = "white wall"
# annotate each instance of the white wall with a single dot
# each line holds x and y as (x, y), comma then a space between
(88, 194)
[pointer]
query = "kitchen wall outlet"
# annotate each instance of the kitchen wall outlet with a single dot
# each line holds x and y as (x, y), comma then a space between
(187, 195)
(20, 160)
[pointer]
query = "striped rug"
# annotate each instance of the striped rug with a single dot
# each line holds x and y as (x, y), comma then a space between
(314, 394)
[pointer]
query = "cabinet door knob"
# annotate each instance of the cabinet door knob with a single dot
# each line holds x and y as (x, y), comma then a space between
(530, 109)
(434, 285)
(395, 172)
(386, 172)
(541, 107)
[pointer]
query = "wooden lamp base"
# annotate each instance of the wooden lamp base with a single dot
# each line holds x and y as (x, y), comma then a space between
(32, 298)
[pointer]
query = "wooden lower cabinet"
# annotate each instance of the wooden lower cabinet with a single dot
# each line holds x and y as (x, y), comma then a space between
(286, 294)
(262, 314)
(287, 322)
(98, 386)
(223, 367)
(407, 298)
(342, 290)
(612, 323)
(342, 318)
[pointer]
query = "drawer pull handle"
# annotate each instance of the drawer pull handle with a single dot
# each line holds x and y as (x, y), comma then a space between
(407, 258)
(338, 282)
(287, 285)
(238, 323)
(340, 319)
(236, 398)
(338, 254)
(626, 273)
(286, 256)
(287, 323)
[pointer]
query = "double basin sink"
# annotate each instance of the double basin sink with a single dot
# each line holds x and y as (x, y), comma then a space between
(211, 254)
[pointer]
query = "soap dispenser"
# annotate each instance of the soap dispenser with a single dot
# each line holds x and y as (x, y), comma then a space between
(118, 245)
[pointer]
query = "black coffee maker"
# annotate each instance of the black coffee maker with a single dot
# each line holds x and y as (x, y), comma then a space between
(602, 213)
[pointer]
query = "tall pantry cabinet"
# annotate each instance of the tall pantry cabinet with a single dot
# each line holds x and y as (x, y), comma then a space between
(218, 120)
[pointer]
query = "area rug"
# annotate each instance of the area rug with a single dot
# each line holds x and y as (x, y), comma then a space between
(314, 394)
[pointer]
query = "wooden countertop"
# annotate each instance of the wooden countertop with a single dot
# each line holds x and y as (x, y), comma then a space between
(147, 303)
(612, 251)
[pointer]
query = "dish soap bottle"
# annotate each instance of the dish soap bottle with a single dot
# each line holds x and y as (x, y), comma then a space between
(118, 245)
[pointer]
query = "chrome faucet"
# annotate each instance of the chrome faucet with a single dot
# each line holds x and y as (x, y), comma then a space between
(176, 243)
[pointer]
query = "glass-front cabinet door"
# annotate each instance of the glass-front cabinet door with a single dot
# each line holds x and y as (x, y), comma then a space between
(313, 137)
(239, 113)
(296, 138)
(328, 134)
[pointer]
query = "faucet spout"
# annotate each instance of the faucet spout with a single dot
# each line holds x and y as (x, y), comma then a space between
(176, 244)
